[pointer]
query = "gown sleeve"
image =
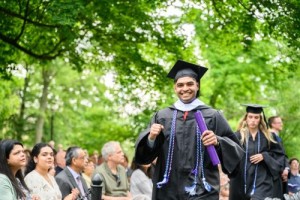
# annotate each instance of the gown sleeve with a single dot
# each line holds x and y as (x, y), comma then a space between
(230, 152)
(274, 158)
(145, 154)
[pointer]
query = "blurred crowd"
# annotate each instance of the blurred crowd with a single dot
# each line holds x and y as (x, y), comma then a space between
(48, 172)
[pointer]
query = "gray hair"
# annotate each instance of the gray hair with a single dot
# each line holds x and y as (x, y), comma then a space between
(109, 148)
(72, 152)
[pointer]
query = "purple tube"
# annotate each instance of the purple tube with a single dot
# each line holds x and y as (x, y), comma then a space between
(211, 149)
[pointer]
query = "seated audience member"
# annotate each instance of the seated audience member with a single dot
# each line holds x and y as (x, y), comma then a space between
(60, 147)
(224, 186)
(52, 144)
(88, 172)
(95, 157)
(38, 179)
(115, 183)
(100, 160)
(127, 167)
(60, 161)
(294, 180)
(140, 181)
(12, 159)
(70, 177)
(27, 153)
(51, 171)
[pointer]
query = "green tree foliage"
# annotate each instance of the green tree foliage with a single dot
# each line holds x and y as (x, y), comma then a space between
(250, 47)
(106, 35)
(251, 57)
(10, 102)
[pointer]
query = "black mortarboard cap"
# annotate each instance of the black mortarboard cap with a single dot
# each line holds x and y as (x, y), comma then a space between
(257, 109)
(254, 108)
(183, 68)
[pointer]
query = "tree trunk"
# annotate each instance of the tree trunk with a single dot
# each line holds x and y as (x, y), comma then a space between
(20, 121)
(43, 105)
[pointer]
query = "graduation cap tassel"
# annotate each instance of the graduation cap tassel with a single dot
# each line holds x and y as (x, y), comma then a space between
(170, 153)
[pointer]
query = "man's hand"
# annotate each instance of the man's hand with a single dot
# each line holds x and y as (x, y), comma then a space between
(155, 131)
(284, 175)
(209, 138)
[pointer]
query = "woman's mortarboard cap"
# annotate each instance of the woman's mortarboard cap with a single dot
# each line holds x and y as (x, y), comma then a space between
(254, 108)
(183, 69)
(257, 109)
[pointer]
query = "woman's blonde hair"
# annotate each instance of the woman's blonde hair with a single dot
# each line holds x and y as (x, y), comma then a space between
(244, 130)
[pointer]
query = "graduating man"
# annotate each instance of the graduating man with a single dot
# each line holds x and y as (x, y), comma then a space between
(184, 169)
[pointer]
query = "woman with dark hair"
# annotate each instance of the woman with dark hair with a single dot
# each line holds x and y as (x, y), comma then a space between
(294, 179)
(38, 179)
(12, 159)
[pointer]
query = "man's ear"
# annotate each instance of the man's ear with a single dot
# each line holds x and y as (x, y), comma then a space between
(73, 160)
(108, 157)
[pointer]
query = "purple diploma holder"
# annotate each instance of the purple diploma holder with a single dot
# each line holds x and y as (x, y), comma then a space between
(211, 149)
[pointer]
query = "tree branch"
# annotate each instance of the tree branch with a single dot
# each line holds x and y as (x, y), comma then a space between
(10, 13)
(217, 9)
(24, 22)
(245, 7)
(45, 56)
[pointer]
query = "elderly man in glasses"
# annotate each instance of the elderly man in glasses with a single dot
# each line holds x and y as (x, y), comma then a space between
(114, 179)
(70, 177)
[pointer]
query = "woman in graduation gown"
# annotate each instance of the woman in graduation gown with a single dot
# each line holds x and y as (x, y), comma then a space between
(261, 163)
(183, 169)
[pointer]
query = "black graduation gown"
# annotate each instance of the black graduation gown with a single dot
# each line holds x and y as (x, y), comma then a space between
(268, 170)
(229, 151)
(281, 187)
